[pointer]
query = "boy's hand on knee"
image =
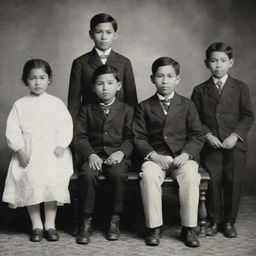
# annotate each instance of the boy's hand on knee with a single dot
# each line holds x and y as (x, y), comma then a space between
(163, 161)
(230, 142)
(59, 152)
(95, 162)
(214, 141)
(114, 158)
(180, 160)
(22, 158)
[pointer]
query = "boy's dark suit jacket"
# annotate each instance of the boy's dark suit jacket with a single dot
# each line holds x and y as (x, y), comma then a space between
(80, 91)
(179, 131)
(229, 113)
(96, 133)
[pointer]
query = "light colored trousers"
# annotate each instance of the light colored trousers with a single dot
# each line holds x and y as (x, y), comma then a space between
(188, 179)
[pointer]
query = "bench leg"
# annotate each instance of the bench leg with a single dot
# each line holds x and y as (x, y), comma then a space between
(202, 214)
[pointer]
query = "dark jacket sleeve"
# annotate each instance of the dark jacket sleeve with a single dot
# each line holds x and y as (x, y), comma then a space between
(140, 133)
(74, 92)
(195, 136)
(246, 114)
(81, 140)
(129, 86)
(127, 146)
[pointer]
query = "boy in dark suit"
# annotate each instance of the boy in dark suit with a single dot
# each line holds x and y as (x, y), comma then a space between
(225, 110)
(103, 31)
(103, 141)
(168, 135)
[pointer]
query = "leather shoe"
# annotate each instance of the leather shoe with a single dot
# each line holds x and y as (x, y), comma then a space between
(212, 229)
(153, 239)
(189, 237)
(85, 232)
(36, 235)
(229, 230)
(114, 232)
(51, 235)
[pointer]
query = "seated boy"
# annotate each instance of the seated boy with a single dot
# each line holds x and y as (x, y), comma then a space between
(169, 136)
(225, 110)
(103, 31)
(103, 141)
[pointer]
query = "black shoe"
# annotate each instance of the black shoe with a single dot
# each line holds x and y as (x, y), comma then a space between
(85, 232)
(212, 229)
(229, 230)
(114, 232)
(36, 235)
(189, 237)
(153, 239)
(51, 235)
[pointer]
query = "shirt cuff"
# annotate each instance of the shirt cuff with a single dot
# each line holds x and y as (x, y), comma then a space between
(146, 158)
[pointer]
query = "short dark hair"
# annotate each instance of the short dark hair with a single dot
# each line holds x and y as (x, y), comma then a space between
(219, 47)
(102, 18)
(165, 61)
(35, 63)
(105, 69)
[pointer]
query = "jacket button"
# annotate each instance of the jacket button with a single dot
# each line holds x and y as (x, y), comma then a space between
(165, 137)
(105, 133)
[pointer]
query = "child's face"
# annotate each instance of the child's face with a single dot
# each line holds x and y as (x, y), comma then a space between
(103, 36)
(106, 87)
(165, 80)
(38, 81)
(219, 64)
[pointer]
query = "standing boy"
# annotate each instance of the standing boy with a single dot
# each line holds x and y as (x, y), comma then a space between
(103, 141)
(225, 110)
(103, 31)
(169, 137)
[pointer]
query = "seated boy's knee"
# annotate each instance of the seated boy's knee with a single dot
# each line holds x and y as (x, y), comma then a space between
(150, 170)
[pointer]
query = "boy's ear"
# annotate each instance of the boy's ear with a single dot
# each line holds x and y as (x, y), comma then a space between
(178, 79)
(206, 63)
(231, 62)
(119, 86)
(91, 34)
(115, 35)
(152, 78)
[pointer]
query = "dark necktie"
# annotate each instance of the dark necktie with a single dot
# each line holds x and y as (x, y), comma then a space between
(166, 104)
(106, 108)
(219, 84)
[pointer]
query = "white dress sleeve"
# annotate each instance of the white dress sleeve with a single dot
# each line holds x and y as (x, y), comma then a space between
(15, 139)
(64, 126)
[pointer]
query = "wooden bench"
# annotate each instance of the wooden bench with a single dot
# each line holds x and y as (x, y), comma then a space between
(134, 176)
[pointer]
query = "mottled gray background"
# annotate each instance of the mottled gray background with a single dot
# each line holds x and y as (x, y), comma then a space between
(57, 31)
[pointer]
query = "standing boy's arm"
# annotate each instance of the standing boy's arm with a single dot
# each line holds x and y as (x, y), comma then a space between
(74, 92)
(195, 136)
(246, 114)
(127, 146)
(81, 139)
(196, 98)
(129, 86)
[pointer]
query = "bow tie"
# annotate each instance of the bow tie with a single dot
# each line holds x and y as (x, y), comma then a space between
(165, 101)
(106, 108)
(103, 56)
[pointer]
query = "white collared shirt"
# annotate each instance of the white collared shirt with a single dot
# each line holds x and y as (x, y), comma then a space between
(100, 53)
(223, 80)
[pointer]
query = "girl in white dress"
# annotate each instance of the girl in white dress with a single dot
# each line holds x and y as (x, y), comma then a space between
(39, 130)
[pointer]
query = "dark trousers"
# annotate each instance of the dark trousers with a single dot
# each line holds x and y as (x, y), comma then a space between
(226, 169)
(88, 183)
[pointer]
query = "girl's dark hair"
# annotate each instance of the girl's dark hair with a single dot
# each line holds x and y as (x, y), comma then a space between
(35, 63)
(105, 69)
(219, 47)
(102, 18)
(165, 61)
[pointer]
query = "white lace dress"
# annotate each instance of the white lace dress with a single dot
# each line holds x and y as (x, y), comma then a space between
(39, 124)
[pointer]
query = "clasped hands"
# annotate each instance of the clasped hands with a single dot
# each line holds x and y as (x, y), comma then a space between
(165, 162)
(95, 162)
(228, 143)
(23, 158)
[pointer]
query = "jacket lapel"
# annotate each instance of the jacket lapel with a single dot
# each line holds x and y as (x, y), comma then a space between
(98, 111)
(174, 107)
(113, 112)
(212, 90)
(227, 89)
(156, 107)
(94, 59)
(112, 60)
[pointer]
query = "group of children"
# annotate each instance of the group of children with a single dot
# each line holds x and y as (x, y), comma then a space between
(168, 131)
